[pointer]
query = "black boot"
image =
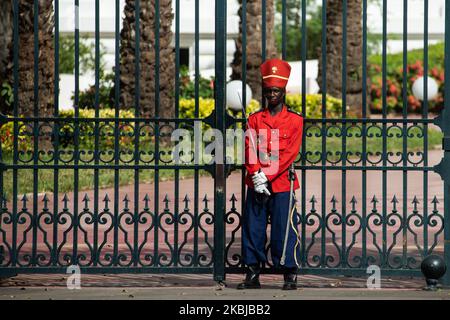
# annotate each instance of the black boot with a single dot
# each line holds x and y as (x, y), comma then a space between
(251, 279)
(290, 279)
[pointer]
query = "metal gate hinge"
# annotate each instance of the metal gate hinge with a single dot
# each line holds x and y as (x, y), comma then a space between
(438, 121)
(3, 119)
(446, 143)
(442, 168)
(210, 120)
(229, 120)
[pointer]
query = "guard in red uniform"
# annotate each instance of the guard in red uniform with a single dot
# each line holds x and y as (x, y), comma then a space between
(272, 143)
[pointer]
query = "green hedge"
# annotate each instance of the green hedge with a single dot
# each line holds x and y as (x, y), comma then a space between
(86, 137)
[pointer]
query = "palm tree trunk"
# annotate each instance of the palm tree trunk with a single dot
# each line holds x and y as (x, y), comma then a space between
(45, 63)
(254, 44)
(6, 27)
(147, 63)
(354, 53)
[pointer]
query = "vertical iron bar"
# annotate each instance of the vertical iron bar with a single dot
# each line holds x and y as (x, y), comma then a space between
(384, 133)
(56, 140)
(445, 117)
(404, 134)
(157, 58)
(244, 99)
(16, 128)
(116, 131)
(303, 185)
(323, 132)
(446, 277)
(96, 128)
(263, 31)
(283, 29)
(219, 181)
(196, 141)
(344, 131)
(177, 114)
(364, 140)
(77, 133)
(425, 130)
(35, 130)
(137, 114)
(137, 97)
(263, 42)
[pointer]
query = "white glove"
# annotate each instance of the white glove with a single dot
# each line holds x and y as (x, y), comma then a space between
(262, 188)
(259, 178)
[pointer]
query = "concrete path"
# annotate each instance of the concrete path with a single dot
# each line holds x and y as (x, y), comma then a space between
(212, 293)
(201, 287)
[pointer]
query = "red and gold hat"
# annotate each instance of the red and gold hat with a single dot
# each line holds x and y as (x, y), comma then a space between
(275, 73)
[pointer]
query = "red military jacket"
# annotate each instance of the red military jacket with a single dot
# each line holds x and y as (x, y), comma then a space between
(278, 142)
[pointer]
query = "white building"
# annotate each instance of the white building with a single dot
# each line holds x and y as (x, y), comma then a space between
(416, 18)
(187, 27)
(206, 31)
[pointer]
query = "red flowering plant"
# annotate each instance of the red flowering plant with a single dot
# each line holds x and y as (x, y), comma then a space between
(394, 80)
(25, 139)
(393, 92)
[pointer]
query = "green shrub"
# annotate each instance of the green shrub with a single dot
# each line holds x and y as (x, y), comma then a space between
(314, 105)
(394, 82)
(7, 137)
(86, 56)
(86, 98)
(187, 86)
(294, 34)
(6, 96)
(86, 137)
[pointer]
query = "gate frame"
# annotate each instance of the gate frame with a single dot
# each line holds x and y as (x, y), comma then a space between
(220, 120)
(443, 168)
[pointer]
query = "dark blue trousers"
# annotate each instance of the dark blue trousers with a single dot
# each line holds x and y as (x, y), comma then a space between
(254, 226)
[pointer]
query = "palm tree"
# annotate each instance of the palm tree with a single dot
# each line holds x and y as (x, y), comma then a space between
(6, 27)
(26, 54)
(254, 43)
(147, 58)
(5, 41)
(354, 53)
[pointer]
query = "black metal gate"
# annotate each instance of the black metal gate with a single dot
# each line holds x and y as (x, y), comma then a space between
(144, 228)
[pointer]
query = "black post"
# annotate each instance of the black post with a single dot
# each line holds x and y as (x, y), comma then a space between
(443, 168)
(219, 181)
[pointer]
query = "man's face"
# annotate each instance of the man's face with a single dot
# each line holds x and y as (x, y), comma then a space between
(274, 95)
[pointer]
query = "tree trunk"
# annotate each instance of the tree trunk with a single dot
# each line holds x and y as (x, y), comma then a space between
(354, 54)
(254, 44)
(6, 27)
(46, 58)
(147, 63)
